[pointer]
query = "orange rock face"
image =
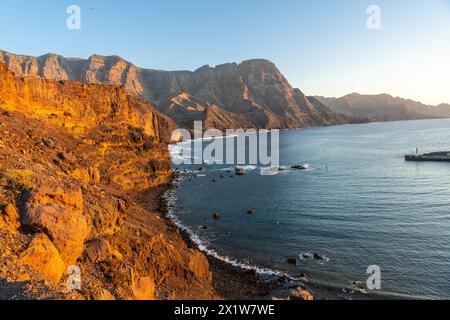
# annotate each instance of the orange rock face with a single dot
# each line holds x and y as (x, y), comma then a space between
(144, 289)
(58, 212)
(43, 256)
(199, 265)
(9, 219)
(77, 161)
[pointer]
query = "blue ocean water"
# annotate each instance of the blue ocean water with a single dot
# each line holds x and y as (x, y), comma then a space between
(359, 204)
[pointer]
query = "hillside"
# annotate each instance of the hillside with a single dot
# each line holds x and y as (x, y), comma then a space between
(81, 170)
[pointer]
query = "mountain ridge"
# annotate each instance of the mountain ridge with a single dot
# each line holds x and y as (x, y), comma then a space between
(252, 93)
(384, 107)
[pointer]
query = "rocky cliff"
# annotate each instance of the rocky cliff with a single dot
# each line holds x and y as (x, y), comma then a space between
(251, 94)
(384, 107)
(81, 168)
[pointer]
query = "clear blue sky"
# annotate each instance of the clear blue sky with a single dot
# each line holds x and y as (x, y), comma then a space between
(323, 47)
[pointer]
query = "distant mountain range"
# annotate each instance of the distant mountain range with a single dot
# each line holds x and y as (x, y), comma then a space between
(384, 107)
(253, 93)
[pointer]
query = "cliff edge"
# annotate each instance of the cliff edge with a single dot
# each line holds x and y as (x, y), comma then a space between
(81, 170)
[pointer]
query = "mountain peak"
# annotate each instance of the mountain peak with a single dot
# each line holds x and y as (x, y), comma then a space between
(253, 93)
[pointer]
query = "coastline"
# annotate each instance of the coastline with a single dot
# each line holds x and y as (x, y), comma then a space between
(235, 281)
(232, 280)
(229, 282)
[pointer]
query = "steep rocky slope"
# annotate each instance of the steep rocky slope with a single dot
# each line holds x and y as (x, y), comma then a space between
(251, 94)
(76, 160)
(384, 107)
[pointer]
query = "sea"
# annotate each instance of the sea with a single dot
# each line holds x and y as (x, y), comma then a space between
(358, 204)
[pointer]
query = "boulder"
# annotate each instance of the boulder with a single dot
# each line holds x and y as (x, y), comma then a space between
(97, 250)
(43, 256)
(9, 219)
(11, 212)
(143, 288)
(216, 215)
(58, 212)
(67, 157)
(318, 256)
(103, 295)
(239, 172)
(292, 261)
(251, 212)
(199, 265)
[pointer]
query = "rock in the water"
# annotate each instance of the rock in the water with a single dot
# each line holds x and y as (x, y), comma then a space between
(43, 256)
(216, 216)
(318, 256)
(251, 212)
(239, 172)
(292, 261)
(300, 294)
(98, 250)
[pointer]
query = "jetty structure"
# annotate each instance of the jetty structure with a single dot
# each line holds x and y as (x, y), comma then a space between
(443, 156)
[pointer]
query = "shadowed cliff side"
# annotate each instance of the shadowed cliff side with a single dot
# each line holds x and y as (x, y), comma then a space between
(74, 162)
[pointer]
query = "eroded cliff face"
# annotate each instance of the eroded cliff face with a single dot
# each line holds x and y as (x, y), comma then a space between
(81, 168)
(251, 94)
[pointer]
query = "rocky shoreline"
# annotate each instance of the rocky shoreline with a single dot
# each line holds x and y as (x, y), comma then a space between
(231, 282)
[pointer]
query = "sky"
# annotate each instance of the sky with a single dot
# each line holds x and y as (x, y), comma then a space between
(323, 47)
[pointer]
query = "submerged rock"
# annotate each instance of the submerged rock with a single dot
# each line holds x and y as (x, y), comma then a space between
(239, 171)
(318, 256)
(300, 294)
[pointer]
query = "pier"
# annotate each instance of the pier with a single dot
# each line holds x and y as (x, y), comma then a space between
(443, 156)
